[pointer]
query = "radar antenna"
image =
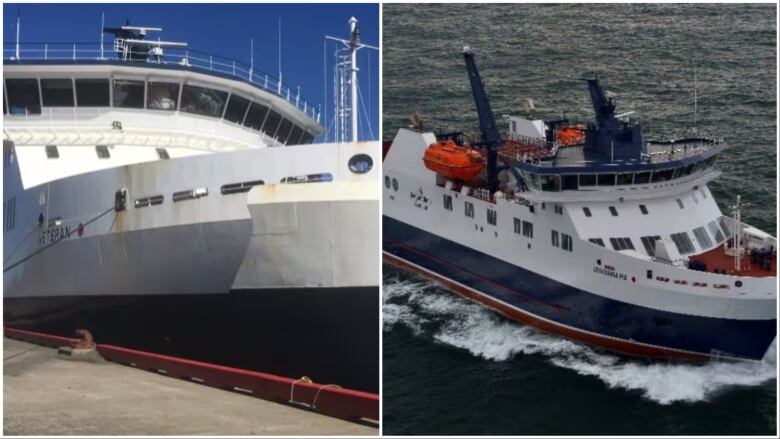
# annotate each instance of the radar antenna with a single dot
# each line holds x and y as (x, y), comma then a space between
(130, 43)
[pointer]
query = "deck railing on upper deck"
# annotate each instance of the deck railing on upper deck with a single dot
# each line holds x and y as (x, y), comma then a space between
(182, 57)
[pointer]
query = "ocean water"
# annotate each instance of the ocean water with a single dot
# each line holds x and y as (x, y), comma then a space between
(454, 367)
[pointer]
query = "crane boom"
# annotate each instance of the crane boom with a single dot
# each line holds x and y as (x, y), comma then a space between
(491, 138)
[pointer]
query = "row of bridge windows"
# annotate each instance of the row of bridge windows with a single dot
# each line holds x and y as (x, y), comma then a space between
(27, 96)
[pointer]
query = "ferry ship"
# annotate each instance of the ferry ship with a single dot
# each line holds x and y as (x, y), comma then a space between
(175, 201)
(592, 232)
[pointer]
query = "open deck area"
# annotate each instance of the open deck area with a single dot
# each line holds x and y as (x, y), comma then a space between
(46, 394)
(717, 259)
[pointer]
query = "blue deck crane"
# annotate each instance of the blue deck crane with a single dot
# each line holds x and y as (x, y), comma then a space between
(491, 138)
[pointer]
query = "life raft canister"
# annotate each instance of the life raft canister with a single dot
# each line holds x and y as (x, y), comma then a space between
(453, 161)
(571, 135)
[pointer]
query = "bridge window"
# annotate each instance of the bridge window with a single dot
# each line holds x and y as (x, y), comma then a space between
(23, 96)
(272, 123)
(586, 211)
(283, 133)
(492, 218)
(469, 209)
(295, 136)
(447, 199)
(57, 92)
(256, 116)
(643, 209)
(128, 94)
(642, 177)
(236, 109)
(624, 179)
(703, 238)
(587, 180)
(92, 93)
(621, 243)
(307, 138)
(715, 230)
(606, 179)
(162, 95)
(683, 243)
(551, 182)
(597, 241)
(569, 183)
(649, 243)
(662, 175)
(201, 100)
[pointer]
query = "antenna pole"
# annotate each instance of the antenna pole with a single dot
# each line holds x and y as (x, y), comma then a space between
(695, 102)
(251, 57)
(18, 23)
(102, 26)
(279, 86)
(353, 77)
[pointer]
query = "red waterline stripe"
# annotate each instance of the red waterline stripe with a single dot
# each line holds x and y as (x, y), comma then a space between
(618, 345)
(327, 399)
(471, 273)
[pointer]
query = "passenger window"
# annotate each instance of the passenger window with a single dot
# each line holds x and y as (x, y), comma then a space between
(201, 100)
(92, 93)
(57, 92)
(162, 95)
(128, 94)
(23, 96)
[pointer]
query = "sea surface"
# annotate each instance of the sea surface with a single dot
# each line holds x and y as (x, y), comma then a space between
(454, 367)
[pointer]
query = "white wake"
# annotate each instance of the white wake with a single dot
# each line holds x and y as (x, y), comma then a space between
(428, 310)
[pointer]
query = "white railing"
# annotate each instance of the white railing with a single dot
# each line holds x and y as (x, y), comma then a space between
(182, 57)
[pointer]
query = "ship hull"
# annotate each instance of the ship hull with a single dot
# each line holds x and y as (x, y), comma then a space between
(555, 307)
(327, 334)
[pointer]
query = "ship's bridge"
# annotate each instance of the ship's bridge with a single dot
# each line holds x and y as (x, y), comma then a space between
(46, 83)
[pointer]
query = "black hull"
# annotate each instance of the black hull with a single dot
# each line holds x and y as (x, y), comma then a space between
(327, 334)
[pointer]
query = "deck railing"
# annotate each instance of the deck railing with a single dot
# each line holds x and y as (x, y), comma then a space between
(81, 53)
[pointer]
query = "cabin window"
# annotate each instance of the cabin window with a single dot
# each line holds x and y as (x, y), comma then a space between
(695, 198)
(23, 96)
(102, 152)
(92, 93)
(492, 218)
(57, 92)
(662, 175)
(587, 180)
(517, 226)
(683, 243)
(162, 153)
(624, 179)
(550, 183)
(310, 178)
(621, 243)
(597, 241)
(201, 100)
(715, 230)
(680, 203)
(569, 182)
(191, 194)
(586, 211)
(555, 238)
(256, 116)
(148, 201)
(606, 179)
(687, 170)
(448, 202)
(162, 95)
(360, 163)
(703, 193)
(649, 243)
(52, 152)
(566, 242)
(469, 209)
(295, 136)
(613, 211)
(283, 133)
(558, 209)
(128, 94)
(236, 109)
(10, 213)
(272, 123)
(643, 209)
(642, 177)
(387, 181)
(395, 186)
(528, 229)
(703, 238)
(237, 188)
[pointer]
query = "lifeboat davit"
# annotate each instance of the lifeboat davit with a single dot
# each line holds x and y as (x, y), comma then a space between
(571, 135)
(453, 161)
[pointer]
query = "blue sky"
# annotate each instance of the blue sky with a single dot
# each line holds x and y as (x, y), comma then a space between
(225, 30)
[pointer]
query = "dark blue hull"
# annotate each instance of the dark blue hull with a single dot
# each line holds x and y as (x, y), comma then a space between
(575, 308)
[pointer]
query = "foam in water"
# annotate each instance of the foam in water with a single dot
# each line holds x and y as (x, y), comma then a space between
(467, 325)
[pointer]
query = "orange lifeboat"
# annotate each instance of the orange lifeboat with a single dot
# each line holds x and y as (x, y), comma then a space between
(453, 161)
(571, 135)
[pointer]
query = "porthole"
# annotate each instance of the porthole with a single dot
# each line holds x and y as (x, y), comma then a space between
(395, 185)
(360, 163)
(387, 182)
(738, 283)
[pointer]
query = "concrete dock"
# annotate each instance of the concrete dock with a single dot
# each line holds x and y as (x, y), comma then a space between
(47, 394)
